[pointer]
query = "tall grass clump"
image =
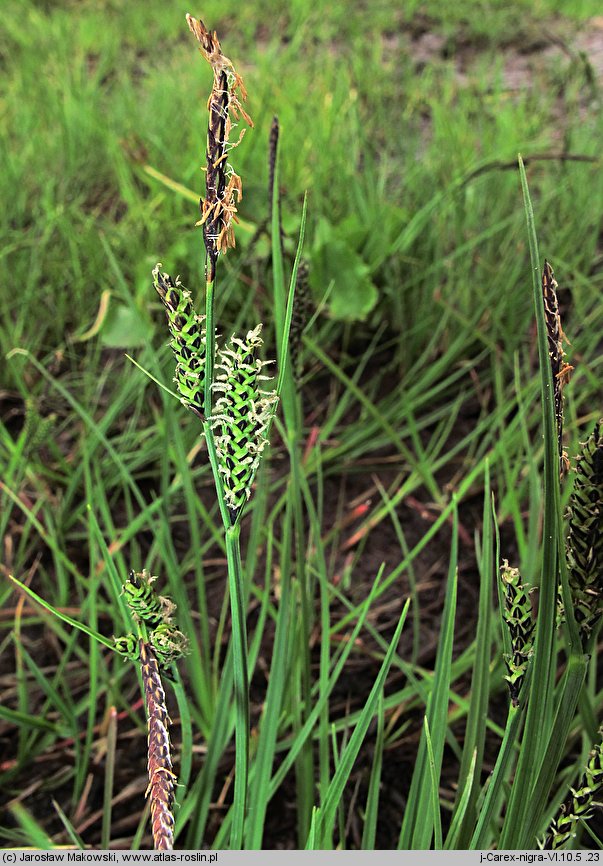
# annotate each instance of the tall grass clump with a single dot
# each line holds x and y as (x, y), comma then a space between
(472, 781)
(224, 385)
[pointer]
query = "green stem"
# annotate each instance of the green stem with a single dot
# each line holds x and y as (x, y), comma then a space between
(305, 765)
(235, 586)
(213, 459)
(570, 692)
(241, 685)
(489, 810)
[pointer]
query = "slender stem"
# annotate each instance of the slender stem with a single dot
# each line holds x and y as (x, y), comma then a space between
(213, 459)
(210, 347)
(241, 685)
(499, 778)
(235, 585)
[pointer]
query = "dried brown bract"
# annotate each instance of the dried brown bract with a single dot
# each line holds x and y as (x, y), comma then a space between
(223, 186)
(161, 778)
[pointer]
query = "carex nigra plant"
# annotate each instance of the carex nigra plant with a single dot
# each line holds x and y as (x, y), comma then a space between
(224, 386)
(570, 582)
(157, 646)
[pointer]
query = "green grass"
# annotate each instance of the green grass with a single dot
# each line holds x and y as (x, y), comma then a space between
(420, 388)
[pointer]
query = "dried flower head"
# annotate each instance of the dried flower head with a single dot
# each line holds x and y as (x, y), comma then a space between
(161, 778)
(223, 188)
(188, 339)
(585, 536)
(169, 644)
(517, 614)
(241, 416)
(555, 337)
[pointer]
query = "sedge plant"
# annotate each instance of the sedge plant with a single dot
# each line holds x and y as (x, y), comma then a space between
(226, 387)
(157, 644)
(570, 582)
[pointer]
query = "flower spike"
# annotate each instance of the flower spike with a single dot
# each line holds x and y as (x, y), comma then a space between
(241, 417)
(188, 339)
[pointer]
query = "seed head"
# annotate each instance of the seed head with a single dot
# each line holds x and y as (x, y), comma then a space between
(150, 608)
(559, 368)
(128, 645)
(169, 644)
(299, 319)
(223, 189)
(161, 778)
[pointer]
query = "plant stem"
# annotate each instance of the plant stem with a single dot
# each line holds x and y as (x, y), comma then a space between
(241, 684)
(235, 586)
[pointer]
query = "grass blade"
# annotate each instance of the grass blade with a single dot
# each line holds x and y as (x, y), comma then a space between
(417, 826)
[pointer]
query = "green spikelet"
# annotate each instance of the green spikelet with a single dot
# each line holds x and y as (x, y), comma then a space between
(241, 416)
(169, 644)
(517, 614)
(142, 599)
(188, 339)
(585, 537)
(299, 318)
(580, 805)
(128, 645)
(155, 611)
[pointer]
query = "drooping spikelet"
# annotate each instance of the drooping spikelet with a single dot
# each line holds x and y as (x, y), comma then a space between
(169, 644)
(517, 614)
(128, 645)
(223, 188)
(188, 339)
(241, 416)
(585, 536)
(581, 803)
(155, 612)
(559, 368)
(161, 778)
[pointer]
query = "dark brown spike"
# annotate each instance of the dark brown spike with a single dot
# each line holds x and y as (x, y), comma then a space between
(272, 155)
(161, 778)
(215, 181)
(559, 368)
(223, 186)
